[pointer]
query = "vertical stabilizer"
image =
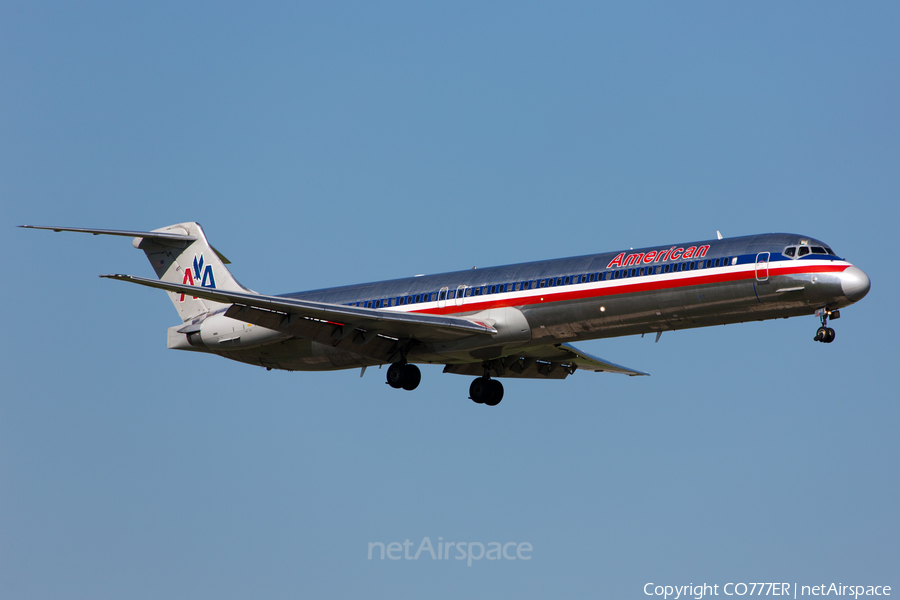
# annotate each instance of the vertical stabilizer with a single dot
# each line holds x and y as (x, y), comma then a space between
(190, 263)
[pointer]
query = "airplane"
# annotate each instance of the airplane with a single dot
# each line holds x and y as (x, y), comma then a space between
(514, 321)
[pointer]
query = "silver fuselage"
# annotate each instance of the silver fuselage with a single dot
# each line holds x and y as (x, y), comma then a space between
(606, 295)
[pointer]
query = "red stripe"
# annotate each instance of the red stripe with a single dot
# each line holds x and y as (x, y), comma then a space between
(645, 286)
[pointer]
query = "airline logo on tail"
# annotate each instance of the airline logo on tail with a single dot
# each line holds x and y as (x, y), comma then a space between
(201, 273)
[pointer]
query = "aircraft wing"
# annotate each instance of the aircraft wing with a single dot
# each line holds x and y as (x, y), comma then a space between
(543, 362)
(372, 332)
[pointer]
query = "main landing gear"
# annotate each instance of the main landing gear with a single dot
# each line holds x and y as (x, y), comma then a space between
(485, 390)
(825, 334)
(404, 375)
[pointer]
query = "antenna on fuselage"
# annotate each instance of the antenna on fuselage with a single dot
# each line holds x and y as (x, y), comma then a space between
(718, 234)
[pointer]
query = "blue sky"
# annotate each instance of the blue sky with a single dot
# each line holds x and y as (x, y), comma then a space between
(327, 145)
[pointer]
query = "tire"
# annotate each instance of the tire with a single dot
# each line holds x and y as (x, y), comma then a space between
(829, 335)
(496, 393)
(395, 375)
(411, 377)
(478, 390)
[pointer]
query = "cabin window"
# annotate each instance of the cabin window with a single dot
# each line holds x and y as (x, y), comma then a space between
(451, 294)
(803, 251)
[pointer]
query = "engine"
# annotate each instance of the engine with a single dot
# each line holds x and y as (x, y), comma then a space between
(220, 334)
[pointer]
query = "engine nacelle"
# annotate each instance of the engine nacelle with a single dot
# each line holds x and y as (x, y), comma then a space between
(220, 334)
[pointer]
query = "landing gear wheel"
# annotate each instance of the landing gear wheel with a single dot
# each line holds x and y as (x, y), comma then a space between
(496, 393)
(411, 377)
(402, 375)
(395, 375)
(486, 391)
(824, 333)
(479, 389)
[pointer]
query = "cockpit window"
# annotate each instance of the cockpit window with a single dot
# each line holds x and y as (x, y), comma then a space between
(790, 251)
(818, 250)
(830, 251)
(804, 250)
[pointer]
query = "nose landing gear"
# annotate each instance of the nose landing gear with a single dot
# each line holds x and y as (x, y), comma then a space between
(824, 333)
(404, 375)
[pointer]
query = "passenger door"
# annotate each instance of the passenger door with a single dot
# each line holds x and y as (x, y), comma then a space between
(762, 266)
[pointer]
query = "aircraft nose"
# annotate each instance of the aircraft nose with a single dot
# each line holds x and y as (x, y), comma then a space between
(855, 283)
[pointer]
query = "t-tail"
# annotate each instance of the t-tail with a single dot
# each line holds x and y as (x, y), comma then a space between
(179, 254)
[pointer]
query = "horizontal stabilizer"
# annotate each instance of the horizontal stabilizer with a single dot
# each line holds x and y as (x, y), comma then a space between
(150, 235)
(157, 236)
